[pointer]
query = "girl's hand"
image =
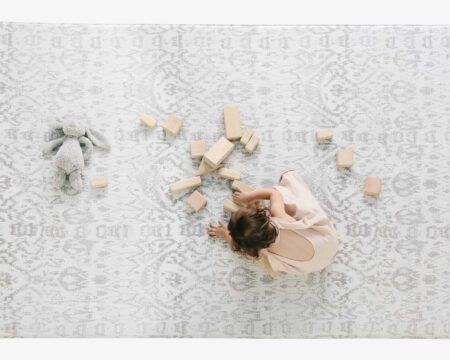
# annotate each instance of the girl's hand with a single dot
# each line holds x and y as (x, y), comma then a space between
(218, 231)
(240, 198)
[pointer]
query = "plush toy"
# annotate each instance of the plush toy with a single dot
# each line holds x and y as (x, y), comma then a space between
(73, 147)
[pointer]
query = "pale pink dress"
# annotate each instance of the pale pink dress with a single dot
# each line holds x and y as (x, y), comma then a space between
(311, 222)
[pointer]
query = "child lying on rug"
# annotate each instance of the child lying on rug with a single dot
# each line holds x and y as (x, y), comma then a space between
(292, 235)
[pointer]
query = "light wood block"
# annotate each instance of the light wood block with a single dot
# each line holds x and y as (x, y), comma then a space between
(99, 182)
(240, 186)
(218, 152)
(172, 125)
(228, 174)
(324, 135)
(252, 144)
(230, 206)
(344, 158)
(232, 119)
(186, 184)
(204, 168)
(147, 120)
(246, 135)
(196, 201)
(372, 186)
(198, 149)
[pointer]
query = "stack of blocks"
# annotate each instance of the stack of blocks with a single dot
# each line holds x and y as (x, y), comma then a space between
(211, 159)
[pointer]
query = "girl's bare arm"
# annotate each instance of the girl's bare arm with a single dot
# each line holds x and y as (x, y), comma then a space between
(276, 200)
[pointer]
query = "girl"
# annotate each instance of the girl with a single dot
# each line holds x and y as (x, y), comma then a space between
(293, 235)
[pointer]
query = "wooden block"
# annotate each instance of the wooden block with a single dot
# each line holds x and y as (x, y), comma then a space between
(204, 168)
(172, 125)
(324, 135)
(344, 158)
(218, 152)
(246, 135)
(196, 201)
(372, 186)
(99, 182)
(228, 174)
(232, 119)
(240, 186)
(252, 144)
(186, 184)
(230, 206)
(198, 149)
(147, 120)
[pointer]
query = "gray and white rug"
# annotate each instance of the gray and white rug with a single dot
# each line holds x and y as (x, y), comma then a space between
(129, 260)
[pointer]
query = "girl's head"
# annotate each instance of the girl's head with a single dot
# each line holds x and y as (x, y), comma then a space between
(251, 230)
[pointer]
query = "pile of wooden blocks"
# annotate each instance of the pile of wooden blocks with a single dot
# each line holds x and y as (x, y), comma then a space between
(211, 159)
(344, 160)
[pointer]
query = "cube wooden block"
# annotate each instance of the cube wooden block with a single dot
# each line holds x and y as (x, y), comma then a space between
(204, 168)
(240, 186)
(230, 206)
(186, 184)
(246, 135)
(198, 149)
(172, 125)
(344, 158)
(196, 201)
(232, 120)
(147, 120)
(372, 186)
(324, 135)
(229, 174)
(252, 144)
(218, 152)
(99, 182)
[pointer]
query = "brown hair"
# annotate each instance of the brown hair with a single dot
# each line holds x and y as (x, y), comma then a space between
(251, 230)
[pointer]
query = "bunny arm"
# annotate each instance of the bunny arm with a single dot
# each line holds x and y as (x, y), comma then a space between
(97, 139)
(88, 147)
(53, 145)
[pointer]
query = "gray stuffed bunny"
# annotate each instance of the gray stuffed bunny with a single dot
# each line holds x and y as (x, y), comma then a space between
(73, 147)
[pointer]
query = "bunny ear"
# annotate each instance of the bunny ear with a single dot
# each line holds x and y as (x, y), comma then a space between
(52, 146)
(56, 129)
(97, 139)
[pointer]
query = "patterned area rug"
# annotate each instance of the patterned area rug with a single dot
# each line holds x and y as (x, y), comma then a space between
(129, 260)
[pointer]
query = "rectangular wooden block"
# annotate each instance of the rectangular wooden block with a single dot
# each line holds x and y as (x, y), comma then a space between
(218, 152)
(240, 186)
(324, 135)
(196, 201)
(198, 149)
(246, 135)
(230, 206)
(232, 120)
(186, 184)
(172, 125)
(228, 174)
(372, 186)
(344, 158)
(147, 120)
(252, 144)
(204, 168)
(99, 182)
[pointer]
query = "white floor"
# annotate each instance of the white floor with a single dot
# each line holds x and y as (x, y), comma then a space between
(131, 261)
